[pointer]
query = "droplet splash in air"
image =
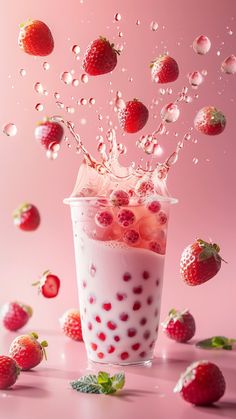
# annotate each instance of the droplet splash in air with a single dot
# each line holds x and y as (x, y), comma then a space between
(75, 49)
(202, 45)
(92, 101)
(75, 82)
(60, 105)
(38, 88)
(218, 53)
(9, 129)
(195, 160)
(154, 26)
(138, 22)
(70, 109)
(195, 78)
(56, 95)
(83, 101)
(84, 78)
(39, 107)
(117, 17)
(170, 112)
(51, 155)
(66, 77)
(229, 65)
(46, 65)
(22, 72)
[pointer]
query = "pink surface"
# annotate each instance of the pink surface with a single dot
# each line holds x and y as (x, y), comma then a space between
(205, 190)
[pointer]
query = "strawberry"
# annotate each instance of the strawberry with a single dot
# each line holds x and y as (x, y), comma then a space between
(200, 262)
(201, 384)
(26, 217)
(100, 57)
(164, 69)
(71, 324)
(179, 325)
(49, 133)
(133, 116)
(15, 315)
(27, 351)
(210, 121)
(35, 38)
(48, 285)
(9, 372)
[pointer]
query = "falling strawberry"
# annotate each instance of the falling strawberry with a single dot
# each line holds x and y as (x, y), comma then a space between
(26, 217)
(179, 325)
(71, 324)
(210, 121)
(27, 351)
(133, 117)
(15, 315)
(164, 69)
(201, 384)
(100, 57)
(49, 133)
(48, 285)
(9, 372)
(35, 38)
(200, 262)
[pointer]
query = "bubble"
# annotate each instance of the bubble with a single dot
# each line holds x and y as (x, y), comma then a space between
(170, 112)
(201, 44)
(22, 72)
(204, 72)
(60, 105)
(84, 78)
(56, 95)
(229, 65)
(38, 88)
(92, 101)
(195, 79)
(169, 91)
(162, 91)
(230, 32)
(46, 66)
(195, 160)
(83, 101)
(51, 155)
(120, 34)
(45, 92)
(218, 53)
(70, 109)
(187, 137)
(137, 22)
(66, 77)
(75, 82)
(39, 107)
(75, 49)
(154, 26)
(99, 117)
(9, 129)
(117, 17)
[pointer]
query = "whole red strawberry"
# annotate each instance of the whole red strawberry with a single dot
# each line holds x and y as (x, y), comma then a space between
(27, 351)
(26, 217)
(9, 372)
(49, 133)
(15, 315)
(201, 384)
(71, 324)
(133, 117)
(210, 121)
(164, 69)
(179, 325)
(199, 262)
(35, 38)
(48, 285)
(100, 57)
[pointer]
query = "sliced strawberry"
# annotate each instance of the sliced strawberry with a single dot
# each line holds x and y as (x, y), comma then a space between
(49, 285)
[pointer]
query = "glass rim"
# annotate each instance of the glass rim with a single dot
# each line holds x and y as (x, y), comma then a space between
(76, 199)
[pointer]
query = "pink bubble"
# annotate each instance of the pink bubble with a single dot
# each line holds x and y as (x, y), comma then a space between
(201, 45)
(229, 65)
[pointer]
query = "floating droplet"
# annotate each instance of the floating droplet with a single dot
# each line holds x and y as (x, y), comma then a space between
(39, 107)
(195, 79)
(56, 95)
(92, 101)
(9, 129)
(131, 79)
(120, 34)
(218, 53)
(201, 44)
(230, 32)
(38, 87)
(99, 117)
(204, 72)
(75, 82)
(70, 109)
(46, 66)
(60, 105)
(66, 77)
(83, 101)
(75, 49)
(162, 91)
(195, 160)
(154, 26)
(22, 72)
(138, 22)
(83, 121)
(229, 65)
(84, 78)
(117, 17)
(170, 112)
(45, 92)
(52, 155)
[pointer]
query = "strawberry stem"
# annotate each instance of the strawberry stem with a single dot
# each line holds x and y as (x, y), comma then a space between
(44, 345)
(34, 335)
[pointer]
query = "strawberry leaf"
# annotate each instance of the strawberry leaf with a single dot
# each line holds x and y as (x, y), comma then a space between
(118, 381)
(101, 384)
(87, 384)
(216, 342)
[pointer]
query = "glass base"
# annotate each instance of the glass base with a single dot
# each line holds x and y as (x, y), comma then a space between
(144, 363)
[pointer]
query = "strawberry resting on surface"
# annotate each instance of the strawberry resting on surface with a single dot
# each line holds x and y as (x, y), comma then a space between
(9, 371)
(27, 351)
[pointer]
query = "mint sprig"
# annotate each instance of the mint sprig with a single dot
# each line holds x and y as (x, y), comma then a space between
(216, 342)
(103, 383)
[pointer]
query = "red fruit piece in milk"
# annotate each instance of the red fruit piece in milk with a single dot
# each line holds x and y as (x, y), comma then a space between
(154, 206)
(104, 218)
(131, 237)
(125, 217)
(119, 198)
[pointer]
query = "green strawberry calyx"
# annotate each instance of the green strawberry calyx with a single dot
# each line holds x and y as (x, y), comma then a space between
(102, 38)
(43, 344)
(216, 342)
(22, 208)
(209, 250)
(174, 315)
(217, 117)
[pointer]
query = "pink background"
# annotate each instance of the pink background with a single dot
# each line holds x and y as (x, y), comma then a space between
(207, 203)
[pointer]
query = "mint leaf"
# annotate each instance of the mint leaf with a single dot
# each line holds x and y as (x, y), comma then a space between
(103, 377)
(118, 381)
(216, 342)
(87, 384)
(101, 384)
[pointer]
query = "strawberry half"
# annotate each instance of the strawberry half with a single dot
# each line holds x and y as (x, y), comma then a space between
(179, 325)
(48, 285)
(9, 372)
(200, 262)
(15, 315)
(210, 121)
(164, 69)
(26, 217)
(71, 324)
(133, 117)
(35, 38)
(100, 57)
(27, 351)
(49, 133)
(201, 384)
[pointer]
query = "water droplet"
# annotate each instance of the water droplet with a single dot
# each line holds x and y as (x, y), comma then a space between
(138, 22)
(195, 79)
(56, 95)
(187, 137)
(99, 117)
(229, 65)
(45, 92)
(131, 79)
(9, 129)
(84, 78)
(218, 53)
(46, 66)
(204, 72)
(39, 107)
(22, 72)
(172, 159)
(92, 101)
(230, 32)
(154, 26)
(75, 49)
(170, 112)
(120, 34)
(60, 105)
(38, 87)
(83, 121)
(169, 90)
(70, 109)
(75, 82)
(83, 101)
(52, 155)
(117, 17)
(195, 160)
(162, 91)
(201, 44)
(66, 77)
